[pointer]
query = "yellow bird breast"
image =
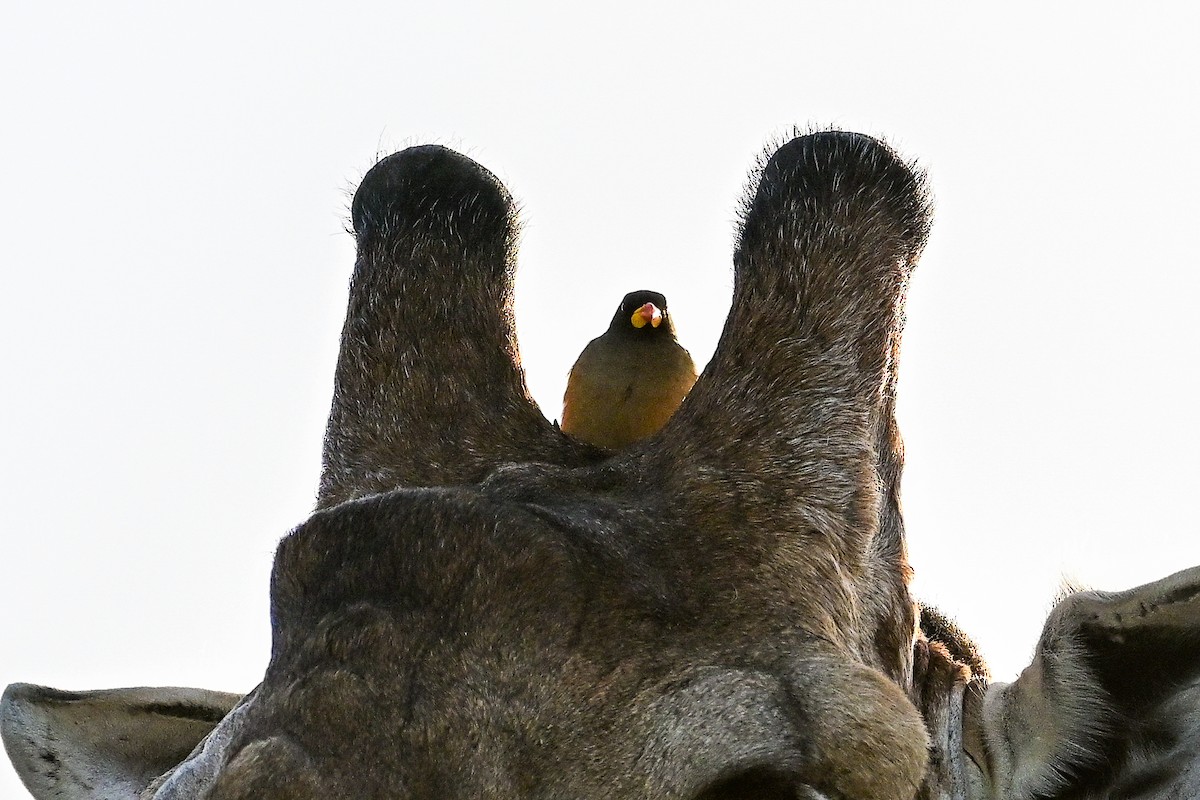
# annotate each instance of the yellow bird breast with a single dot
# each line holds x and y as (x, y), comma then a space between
(619, 395)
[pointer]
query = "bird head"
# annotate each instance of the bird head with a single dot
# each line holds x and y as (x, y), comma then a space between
(642, 312)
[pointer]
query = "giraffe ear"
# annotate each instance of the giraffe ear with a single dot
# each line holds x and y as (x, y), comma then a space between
(1112, 691)
(113, 743)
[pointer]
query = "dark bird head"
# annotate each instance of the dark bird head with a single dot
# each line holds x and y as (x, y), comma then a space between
(643, 314)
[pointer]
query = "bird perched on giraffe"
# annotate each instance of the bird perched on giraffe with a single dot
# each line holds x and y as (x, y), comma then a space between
(628, 382)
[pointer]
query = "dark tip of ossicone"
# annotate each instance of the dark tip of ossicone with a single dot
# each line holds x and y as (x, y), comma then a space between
(839, 171)
(425, 183)
(827, 153)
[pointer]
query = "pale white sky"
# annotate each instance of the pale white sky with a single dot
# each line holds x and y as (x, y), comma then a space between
(174, 266)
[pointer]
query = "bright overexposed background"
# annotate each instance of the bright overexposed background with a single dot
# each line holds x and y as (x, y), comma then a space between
(173, 268)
